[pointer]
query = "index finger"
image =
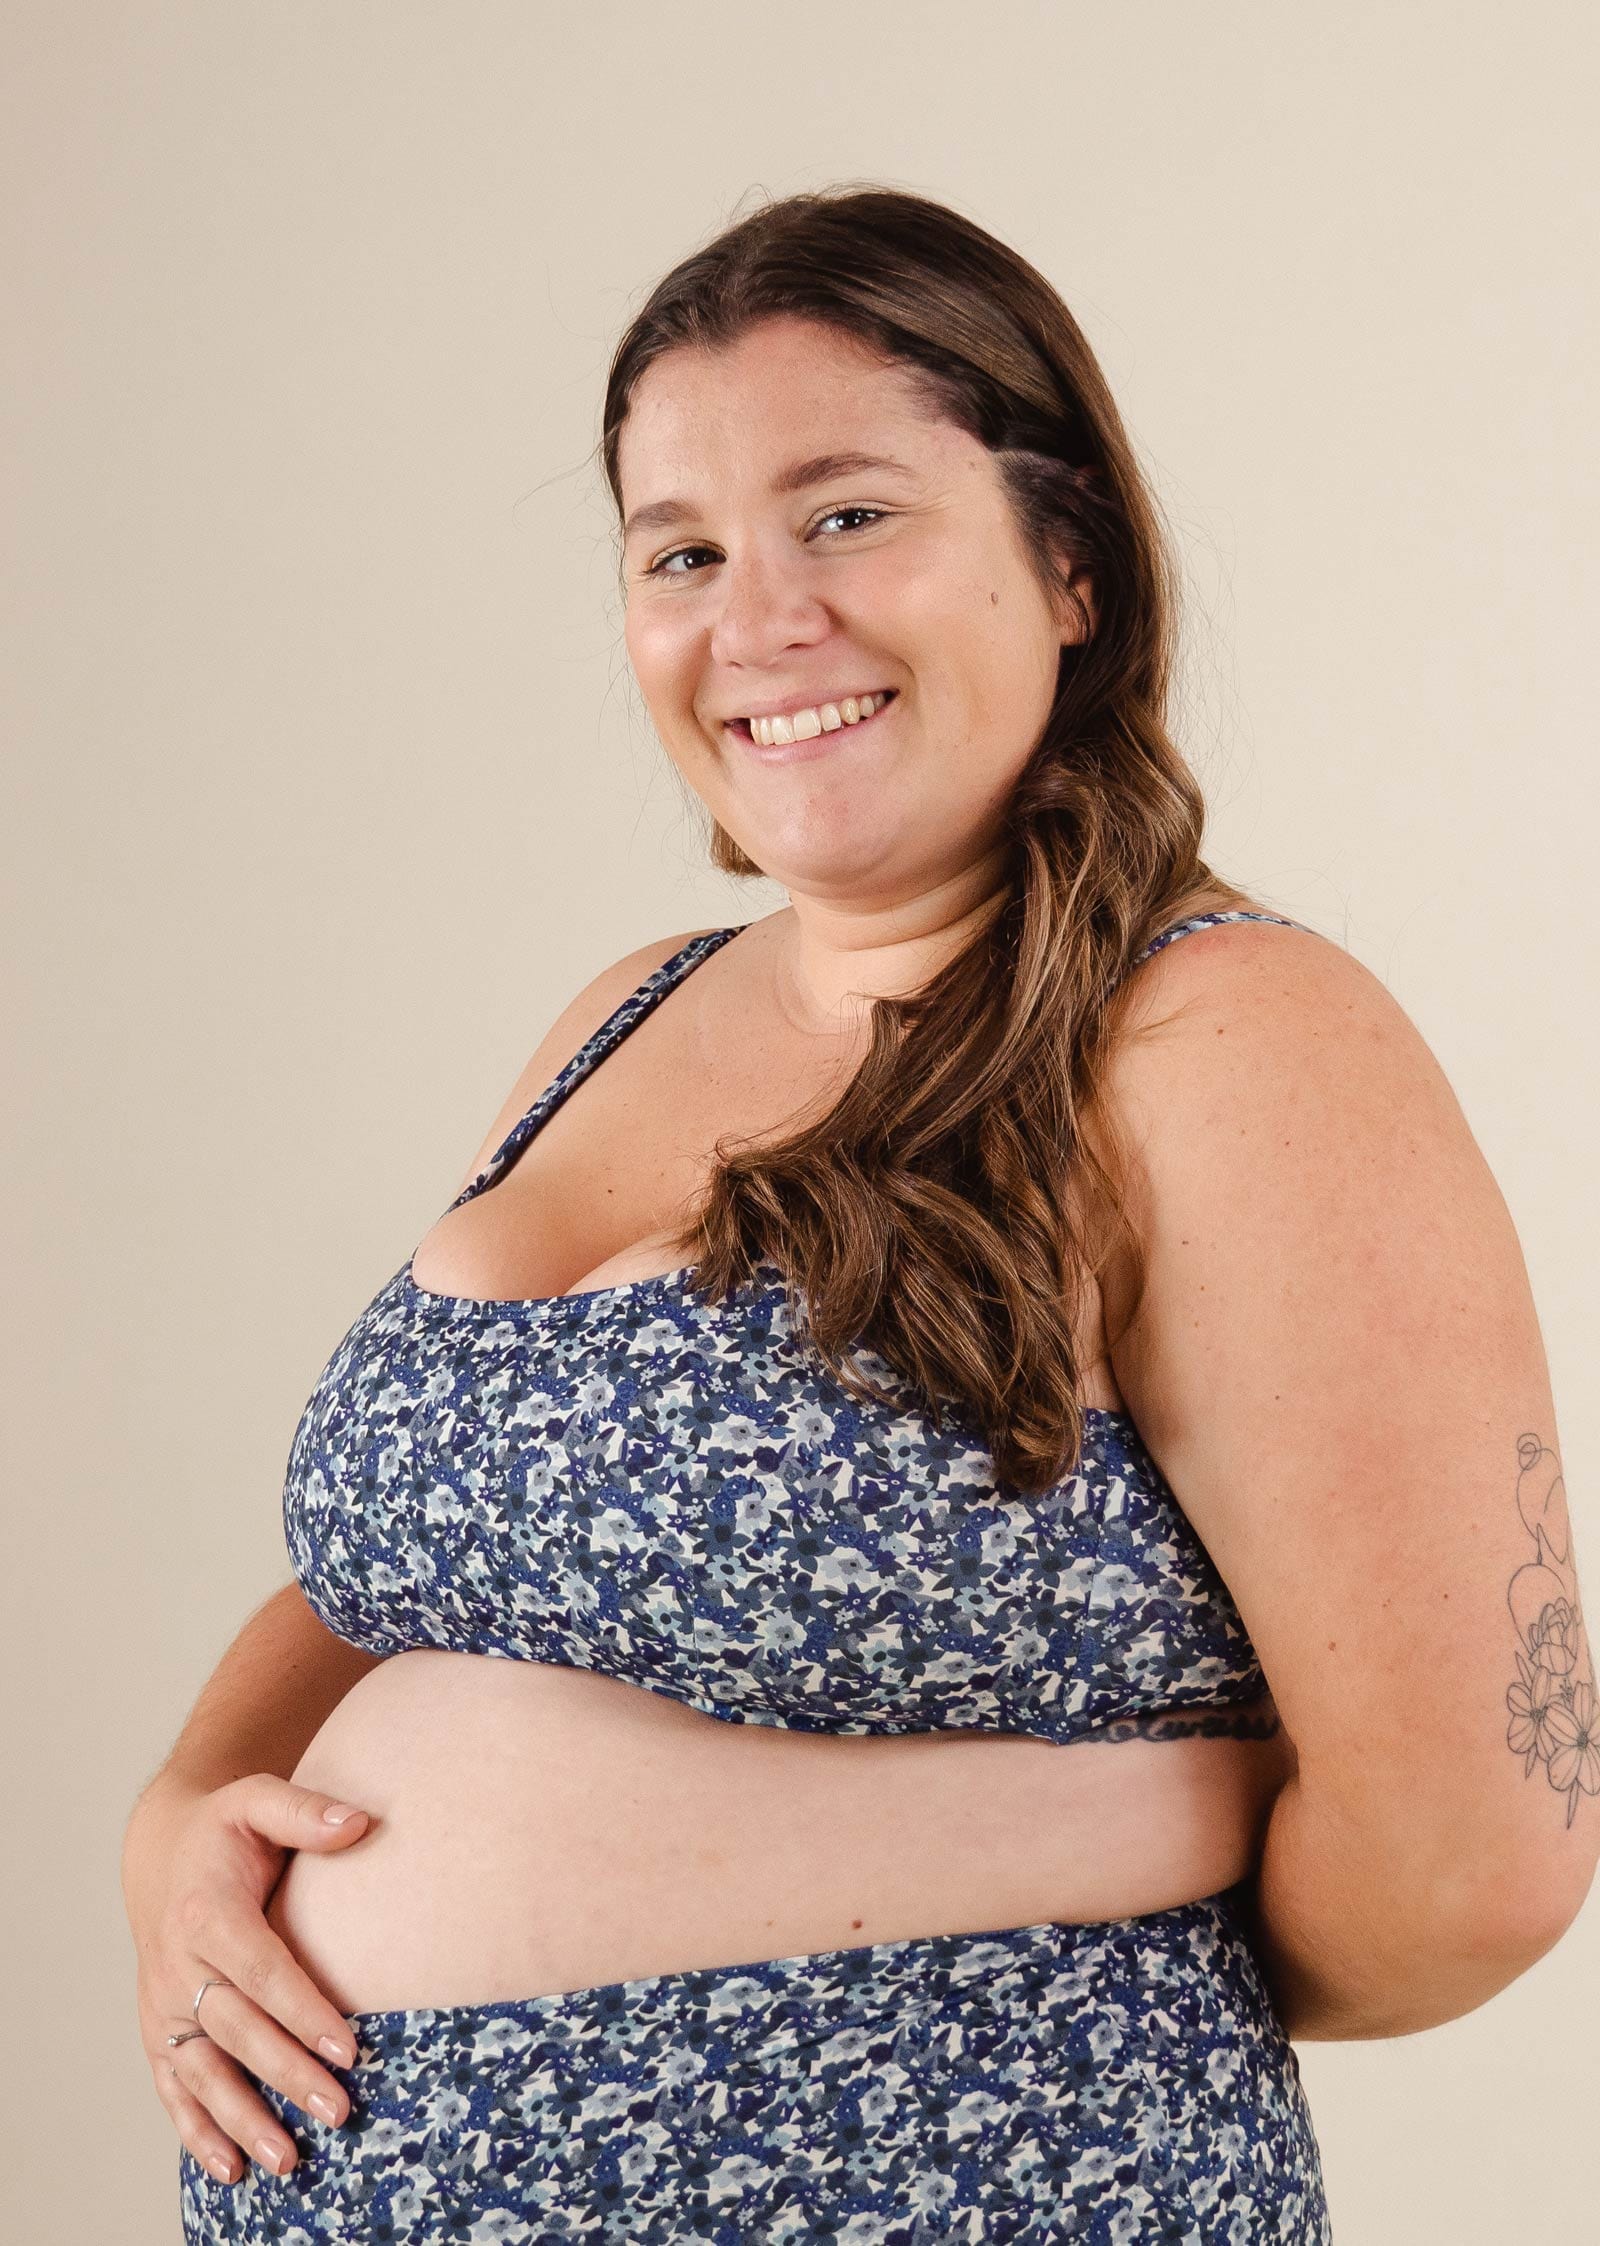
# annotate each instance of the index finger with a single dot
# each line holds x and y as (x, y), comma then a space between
(262, 1967)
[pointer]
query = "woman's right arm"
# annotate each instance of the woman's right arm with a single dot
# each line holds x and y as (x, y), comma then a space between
(204, 1846)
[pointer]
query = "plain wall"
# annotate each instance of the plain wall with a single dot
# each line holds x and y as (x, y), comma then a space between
(327, 784)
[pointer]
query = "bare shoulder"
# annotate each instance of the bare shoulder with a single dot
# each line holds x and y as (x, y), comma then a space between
(1245, 1051)
(578, 1020)
(605, 991)
(1336, 1363)
(1257, 1032)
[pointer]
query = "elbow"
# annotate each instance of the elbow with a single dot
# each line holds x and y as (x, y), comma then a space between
(1499, 1925)
(1494, 1868)
(1533, 1906)
(1367, 1931)
(1482, 1960)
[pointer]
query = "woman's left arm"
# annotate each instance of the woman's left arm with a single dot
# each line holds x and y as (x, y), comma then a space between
(1337, 1364)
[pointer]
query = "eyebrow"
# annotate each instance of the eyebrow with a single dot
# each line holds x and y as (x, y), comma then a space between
(800, 475)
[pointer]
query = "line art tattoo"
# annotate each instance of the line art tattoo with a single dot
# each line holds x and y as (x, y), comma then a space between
(1207, 1720)
(1552, 1703)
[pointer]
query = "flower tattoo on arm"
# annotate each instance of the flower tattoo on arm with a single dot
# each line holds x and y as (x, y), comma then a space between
(1552, 1703)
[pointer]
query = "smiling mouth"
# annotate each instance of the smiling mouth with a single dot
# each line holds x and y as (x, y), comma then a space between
(743, 726)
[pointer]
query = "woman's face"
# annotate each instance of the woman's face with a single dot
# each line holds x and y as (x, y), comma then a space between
(765, 592)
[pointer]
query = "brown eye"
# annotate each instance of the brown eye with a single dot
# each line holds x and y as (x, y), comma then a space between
(660, 569)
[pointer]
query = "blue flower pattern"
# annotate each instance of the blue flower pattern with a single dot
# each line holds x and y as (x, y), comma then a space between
(676, 1492)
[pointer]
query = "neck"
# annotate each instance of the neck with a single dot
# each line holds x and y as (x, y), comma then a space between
(832, 957)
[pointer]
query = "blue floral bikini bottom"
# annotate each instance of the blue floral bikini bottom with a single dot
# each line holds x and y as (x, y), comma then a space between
(1125, 2081)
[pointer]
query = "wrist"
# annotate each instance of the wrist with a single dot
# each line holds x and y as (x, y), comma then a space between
(168, 1794)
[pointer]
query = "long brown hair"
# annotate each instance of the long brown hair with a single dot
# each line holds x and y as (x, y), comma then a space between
(931, 1215)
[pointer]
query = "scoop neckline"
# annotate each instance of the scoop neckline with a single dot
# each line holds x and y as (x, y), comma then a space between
(623, 1289)
(583, 1302)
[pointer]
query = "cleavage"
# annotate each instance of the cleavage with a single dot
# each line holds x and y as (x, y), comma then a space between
(540, 1230)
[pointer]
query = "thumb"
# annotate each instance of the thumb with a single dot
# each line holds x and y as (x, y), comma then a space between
(295, 1816)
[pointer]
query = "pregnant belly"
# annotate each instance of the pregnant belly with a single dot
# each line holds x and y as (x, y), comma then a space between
(536, 1829)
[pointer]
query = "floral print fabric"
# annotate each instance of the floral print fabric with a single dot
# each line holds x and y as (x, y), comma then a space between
(1118, 2084)
(676, 1493)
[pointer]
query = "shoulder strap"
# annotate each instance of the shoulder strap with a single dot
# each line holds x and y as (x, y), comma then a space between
(593, 1051)
(1209, 920)
(665, 978)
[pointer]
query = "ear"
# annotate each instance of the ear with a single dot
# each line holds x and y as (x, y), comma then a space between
(1069, 616)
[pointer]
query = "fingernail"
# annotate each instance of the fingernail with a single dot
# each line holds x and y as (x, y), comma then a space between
(221, 2169)
(323, 2108)
(274, 2157)
(337, 1812)
(340, 2053)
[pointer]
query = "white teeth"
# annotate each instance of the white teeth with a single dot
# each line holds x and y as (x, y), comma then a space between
(804, 725)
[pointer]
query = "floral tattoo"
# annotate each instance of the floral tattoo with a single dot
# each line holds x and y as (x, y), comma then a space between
(1553, 1702)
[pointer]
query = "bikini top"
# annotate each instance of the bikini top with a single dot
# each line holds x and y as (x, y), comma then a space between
(679, 1494)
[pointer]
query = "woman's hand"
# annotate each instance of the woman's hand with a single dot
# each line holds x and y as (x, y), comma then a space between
(197, 1871)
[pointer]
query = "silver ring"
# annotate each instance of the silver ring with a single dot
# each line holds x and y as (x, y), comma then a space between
(200, 1992)
(185, 2035)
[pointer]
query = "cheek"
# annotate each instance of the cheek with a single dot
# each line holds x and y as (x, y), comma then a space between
(644, 639)
(1010, 653)
(659, 649)
(967, 621)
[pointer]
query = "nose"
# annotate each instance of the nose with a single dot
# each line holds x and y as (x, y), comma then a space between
(764, 608)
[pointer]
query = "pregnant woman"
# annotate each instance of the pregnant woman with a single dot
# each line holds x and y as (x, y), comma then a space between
(919, 1568)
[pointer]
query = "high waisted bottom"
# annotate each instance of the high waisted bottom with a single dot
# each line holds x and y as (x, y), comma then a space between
(1126, 2081)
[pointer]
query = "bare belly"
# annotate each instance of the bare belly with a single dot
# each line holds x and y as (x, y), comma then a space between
(537, 1829)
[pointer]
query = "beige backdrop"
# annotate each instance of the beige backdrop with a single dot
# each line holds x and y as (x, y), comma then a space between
(328, 784)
